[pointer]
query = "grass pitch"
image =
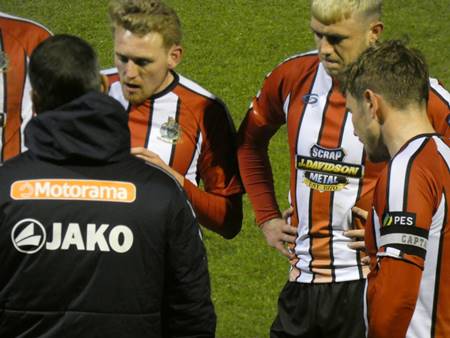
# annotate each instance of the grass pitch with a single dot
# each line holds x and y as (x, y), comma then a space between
(229, 47)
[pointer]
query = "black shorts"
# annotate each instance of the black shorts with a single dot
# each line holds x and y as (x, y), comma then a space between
(330, 310)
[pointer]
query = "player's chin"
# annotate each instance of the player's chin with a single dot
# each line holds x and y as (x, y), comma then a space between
(378, 155)
(134, 99)
(334, 70)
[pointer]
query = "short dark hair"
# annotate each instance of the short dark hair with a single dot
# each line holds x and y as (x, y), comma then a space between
(62, 68)
(393, 70)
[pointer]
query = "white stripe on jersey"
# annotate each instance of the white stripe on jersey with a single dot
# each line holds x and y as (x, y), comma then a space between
(398, 174)
(286, 106)
(164, 108)
(27, 110)
(342, 256)
(109, 71)
(342, 211)
(420, 325)
(307, 137)
(195, 87)
(366, 306)
(312, 52)
(441, 90)
(443, 149)
(343, 202)
(376, 226)
(307, 276)
(191, 174)
(115, 91)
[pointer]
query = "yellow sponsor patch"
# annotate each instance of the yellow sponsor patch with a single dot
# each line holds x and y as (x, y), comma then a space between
(329, 167)
(70, 189)
(323, 187)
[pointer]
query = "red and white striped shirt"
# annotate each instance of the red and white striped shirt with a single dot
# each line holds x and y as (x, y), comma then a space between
(329, 170)
(191, 131)
(408, 239)
(18, 38)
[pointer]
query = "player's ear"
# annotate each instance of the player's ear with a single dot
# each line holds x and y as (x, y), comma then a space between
(174, 56)
(373, 105)
(375, 31)
(104, 84)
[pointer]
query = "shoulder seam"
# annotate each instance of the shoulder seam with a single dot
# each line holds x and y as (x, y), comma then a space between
(18, 18)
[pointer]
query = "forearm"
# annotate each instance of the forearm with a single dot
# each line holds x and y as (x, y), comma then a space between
(255, 169)
(392, 296)
(221, 214)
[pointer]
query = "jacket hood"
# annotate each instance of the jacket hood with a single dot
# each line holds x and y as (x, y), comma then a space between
(93, 127)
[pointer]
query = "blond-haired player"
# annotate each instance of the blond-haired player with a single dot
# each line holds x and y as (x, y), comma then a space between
(174, 122)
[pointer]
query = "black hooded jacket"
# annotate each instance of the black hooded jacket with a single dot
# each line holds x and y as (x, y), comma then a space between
(94, 242)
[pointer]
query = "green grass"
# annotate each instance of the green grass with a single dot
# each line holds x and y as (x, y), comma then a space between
(229, 47)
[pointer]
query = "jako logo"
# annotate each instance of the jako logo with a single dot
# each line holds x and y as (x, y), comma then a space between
(29, 236)
(310, 98)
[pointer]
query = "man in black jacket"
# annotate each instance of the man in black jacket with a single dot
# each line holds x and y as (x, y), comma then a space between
(93, 242)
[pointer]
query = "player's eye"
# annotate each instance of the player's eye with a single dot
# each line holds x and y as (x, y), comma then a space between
(142, 62)
(122, 58)
(335, 39)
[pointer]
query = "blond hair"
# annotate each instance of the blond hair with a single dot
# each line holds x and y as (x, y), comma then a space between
(393, 70)
(332, 11)
(145, 16)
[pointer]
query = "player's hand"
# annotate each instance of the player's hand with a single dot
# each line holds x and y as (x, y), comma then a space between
(278, 234)
(357, 235)
(151, 157)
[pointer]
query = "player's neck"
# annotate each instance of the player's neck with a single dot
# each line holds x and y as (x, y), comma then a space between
(401, 126)
(166, 82)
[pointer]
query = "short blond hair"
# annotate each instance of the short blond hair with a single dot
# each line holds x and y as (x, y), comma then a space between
(145, 16)
(332, 11)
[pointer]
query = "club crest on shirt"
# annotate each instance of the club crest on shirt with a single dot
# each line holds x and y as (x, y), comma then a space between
(325, 170)
(170, 131)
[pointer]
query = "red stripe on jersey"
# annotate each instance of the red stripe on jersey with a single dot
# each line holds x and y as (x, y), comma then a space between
(19, 38)
(321, 205)
(293, 123)
(139, 119)
(15, 80)
(185, 149)
(416, 182)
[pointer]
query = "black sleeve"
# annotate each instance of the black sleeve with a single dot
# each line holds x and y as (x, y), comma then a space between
(187, 310)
